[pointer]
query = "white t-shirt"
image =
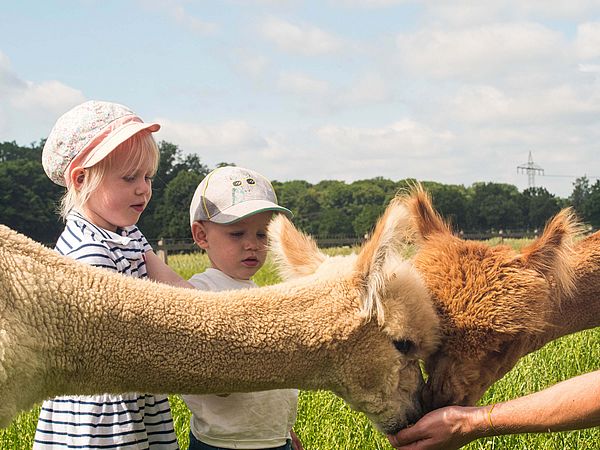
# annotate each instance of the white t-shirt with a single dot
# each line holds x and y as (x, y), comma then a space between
(240, 420)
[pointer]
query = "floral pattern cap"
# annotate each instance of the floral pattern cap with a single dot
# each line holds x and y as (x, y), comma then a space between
(77, 130)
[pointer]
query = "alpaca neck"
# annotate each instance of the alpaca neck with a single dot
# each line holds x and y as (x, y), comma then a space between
(581, 310)
(145, 339)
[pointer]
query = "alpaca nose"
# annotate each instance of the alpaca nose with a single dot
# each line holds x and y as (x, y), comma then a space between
(413, 412)
(418, 411)
(427, 398)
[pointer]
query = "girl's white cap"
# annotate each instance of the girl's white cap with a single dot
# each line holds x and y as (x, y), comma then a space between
(86, 134)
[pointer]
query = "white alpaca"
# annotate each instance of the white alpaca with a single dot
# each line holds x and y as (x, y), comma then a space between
(68, 328)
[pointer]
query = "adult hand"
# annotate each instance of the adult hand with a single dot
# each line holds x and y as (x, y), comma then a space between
(446, 428)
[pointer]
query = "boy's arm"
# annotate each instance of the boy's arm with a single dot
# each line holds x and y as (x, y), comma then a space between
(159, 271)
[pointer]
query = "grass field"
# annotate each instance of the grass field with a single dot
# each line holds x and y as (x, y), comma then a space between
(326, 423)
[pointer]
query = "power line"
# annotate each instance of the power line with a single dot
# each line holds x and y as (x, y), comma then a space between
(572, 176)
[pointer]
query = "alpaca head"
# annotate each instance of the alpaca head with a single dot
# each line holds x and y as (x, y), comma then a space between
(379, 374)
(491, 300)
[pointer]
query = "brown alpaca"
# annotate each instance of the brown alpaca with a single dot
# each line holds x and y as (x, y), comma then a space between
(497, 305)
(68, 328)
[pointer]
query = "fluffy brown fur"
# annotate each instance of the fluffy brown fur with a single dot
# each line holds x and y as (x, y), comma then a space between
(497, 305)
(68, 328)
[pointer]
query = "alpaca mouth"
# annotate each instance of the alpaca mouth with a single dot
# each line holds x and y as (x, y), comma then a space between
(399, 425)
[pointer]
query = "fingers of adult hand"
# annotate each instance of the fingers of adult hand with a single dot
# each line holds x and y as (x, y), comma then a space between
(418, 445)
(406, 436)
(406, 444)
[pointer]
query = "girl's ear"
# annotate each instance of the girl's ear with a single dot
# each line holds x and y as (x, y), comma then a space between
(199, 234)
(77, 177)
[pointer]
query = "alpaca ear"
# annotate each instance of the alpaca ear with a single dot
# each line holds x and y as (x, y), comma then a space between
(552, 253)
(379, 256)
(427, 220)
(296, 253)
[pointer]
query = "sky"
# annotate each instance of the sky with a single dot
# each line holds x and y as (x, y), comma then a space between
(452, 91)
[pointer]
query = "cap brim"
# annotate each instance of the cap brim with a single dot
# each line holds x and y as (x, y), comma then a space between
(242, 210)
(115, 139)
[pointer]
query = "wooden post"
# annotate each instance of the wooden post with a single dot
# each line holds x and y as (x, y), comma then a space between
(161, 250)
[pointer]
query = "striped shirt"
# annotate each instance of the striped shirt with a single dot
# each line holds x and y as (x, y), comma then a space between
(129, 421)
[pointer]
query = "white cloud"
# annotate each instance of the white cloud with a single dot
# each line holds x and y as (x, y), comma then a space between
(486, 104)
(368, 88)
(8, 79)
(399, 138)
(587, 43)
(463, 12)
(31, 108)
(177, 12)
(302, 85)
(554, 9)
(589, 68)
(488, 50)
(196, 25)
(249, 63)
(276, 155)
(50, 96)
(228, 137)
(322, 97)
(304, 39)
(481, 104)
(369, 3)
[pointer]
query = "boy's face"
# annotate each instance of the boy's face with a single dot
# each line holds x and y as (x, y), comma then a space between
(238, 249)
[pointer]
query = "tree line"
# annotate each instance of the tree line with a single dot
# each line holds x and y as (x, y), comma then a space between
(29, 200)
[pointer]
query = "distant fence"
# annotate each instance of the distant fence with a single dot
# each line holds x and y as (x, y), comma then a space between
(165, 247)
(501, 234)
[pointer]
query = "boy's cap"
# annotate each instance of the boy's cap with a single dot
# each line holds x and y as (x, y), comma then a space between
(230, 193)
(87, 134)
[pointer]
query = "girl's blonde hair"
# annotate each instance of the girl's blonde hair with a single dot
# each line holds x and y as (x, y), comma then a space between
(141, 148)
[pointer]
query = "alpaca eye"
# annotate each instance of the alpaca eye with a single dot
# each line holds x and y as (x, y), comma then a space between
(404, 346)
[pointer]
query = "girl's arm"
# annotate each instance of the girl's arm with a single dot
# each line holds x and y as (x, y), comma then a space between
(159, 271)
(569, 405)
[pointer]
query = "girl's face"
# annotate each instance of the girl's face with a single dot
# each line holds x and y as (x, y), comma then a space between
(238, 249)
(120, 197)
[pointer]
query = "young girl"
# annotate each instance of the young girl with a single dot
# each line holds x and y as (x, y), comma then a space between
(106, 156)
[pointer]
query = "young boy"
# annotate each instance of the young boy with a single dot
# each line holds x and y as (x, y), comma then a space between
(229, 214)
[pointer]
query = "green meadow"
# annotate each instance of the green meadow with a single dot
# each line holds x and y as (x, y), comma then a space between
(325, 422)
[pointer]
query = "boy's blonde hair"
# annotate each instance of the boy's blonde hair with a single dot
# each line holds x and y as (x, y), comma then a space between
(140, 147)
